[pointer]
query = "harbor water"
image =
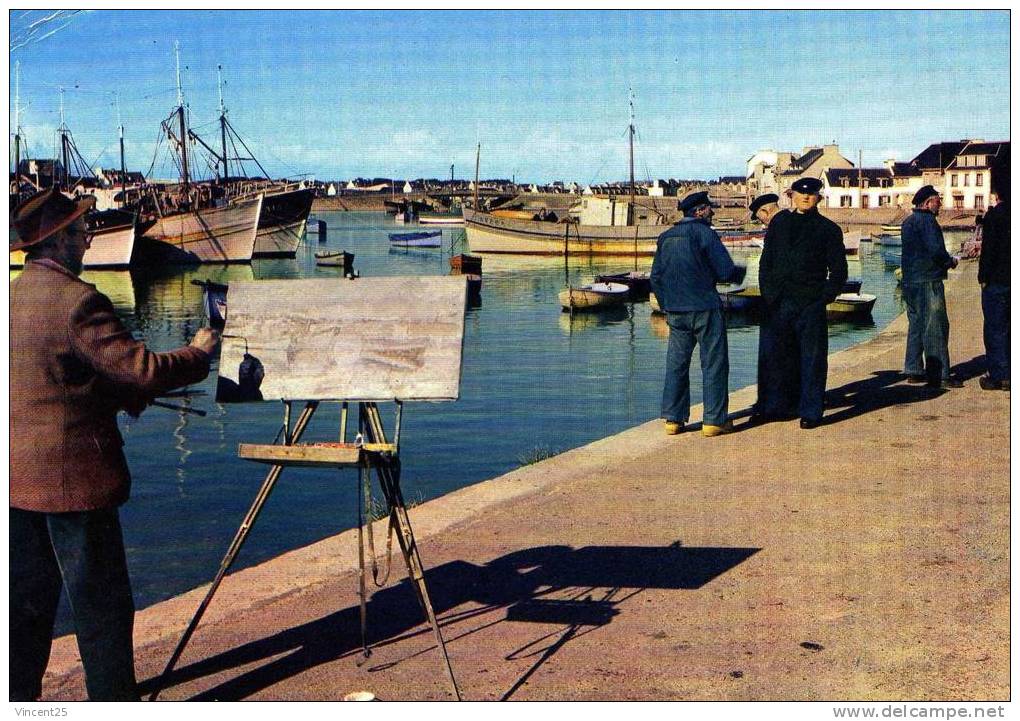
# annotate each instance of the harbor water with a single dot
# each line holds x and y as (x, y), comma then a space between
(535, 381)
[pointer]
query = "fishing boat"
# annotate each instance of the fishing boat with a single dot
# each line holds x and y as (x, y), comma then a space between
(743, 239)
(890, 240)
(850, 305)
(464, 263)
(194, 223)
(593, 226)
(593, 296)
(283, 221)
(441, 220)
(891, 229)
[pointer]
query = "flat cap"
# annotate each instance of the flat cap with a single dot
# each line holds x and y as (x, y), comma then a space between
(762, 200)
(923, 194)
(693, 200)
(808, 186)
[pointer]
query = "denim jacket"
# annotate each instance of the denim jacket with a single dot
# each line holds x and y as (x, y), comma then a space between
(925, 257)
(689, 260)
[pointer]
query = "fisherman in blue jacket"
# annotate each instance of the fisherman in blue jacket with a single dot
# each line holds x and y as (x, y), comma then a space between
(689, 260)
(925, 262)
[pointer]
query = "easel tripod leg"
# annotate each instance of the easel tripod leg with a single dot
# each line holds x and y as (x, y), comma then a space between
(389, 478)
(235, 547)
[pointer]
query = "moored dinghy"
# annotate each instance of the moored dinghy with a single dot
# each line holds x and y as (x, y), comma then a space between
(593, 296)
(851, 305)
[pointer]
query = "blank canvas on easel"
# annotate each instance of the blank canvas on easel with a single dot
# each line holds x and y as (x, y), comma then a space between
(335, 339)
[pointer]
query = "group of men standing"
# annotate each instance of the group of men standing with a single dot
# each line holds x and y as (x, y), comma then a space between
(803, 268)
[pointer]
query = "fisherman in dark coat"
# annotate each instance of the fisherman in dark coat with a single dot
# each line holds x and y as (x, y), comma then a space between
(73, 366)
(763, 209)
(803, 268)
(993, 275)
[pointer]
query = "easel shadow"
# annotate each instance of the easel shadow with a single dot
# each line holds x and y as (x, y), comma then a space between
(579, 588)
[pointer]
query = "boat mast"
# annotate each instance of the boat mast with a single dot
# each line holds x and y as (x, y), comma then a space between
(478, 157)
(120, 135)
(17, 132)
(223, 121)
(633, 213)
(63, 140)
(183, 124)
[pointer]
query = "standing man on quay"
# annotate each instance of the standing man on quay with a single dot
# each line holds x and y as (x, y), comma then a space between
(803, 268)
(763, 209)
(689, 260)
(993, 274)
(73, 367)
(925, 263)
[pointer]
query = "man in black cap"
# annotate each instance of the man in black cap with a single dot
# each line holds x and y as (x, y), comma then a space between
(802, 269)
(689, 260)
(925, 262)
(764, 208)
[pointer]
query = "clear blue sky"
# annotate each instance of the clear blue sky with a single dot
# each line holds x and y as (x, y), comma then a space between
(340, 94)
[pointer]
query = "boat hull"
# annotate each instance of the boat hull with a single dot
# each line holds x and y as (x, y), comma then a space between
(593, 296)
(850, 305)
(214, 235)
(440, 220)
(282, 223)
(492, 234)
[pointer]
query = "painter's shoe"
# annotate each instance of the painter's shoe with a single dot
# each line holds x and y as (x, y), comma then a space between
(673, 428)
(710, 431)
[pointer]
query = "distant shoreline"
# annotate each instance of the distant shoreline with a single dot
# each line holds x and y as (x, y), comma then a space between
(849, 218)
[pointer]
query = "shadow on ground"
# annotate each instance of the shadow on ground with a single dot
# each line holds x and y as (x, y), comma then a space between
(558, 585)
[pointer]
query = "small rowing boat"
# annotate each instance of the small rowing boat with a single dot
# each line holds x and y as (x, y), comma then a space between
(850, 305)
(416, 240)
(639, 283)
(593, 296)
(335, 259)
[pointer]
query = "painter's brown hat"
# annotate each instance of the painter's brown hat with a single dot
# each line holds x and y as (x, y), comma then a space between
(44, 214)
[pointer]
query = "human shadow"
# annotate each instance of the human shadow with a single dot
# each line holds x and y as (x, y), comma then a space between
(886, 388)
(524, 582)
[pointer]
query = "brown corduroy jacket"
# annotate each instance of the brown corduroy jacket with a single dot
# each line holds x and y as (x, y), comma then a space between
(73, 367)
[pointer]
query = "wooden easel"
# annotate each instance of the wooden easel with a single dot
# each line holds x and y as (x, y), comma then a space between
(370, 451)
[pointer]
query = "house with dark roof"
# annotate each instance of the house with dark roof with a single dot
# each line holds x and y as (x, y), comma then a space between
(769, 171)
(960, 170)
(859, 188)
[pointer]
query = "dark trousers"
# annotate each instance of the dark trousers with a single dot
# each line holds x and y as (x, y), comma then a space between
(995, 308)
(927, 330)
(793, 362)
(84, 553)
(707, 329)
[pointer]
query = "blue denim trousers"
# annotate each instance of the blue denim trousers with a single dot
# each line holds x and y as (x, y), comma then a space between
(995, 308)
(707, 329)
(927, 330)
(793, 363)
(84, 553)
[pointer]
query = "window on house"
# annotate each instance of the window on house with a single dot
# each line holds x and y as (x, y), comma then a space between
(979, 202)
(957, 202)
(884, 200)
(953, 180)
(966, 179)
(845, 201)
(865, 201)
(979, 179)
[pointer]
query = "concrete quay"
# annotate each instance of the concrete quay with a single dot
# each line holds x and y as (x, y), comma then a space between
(867, 559)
